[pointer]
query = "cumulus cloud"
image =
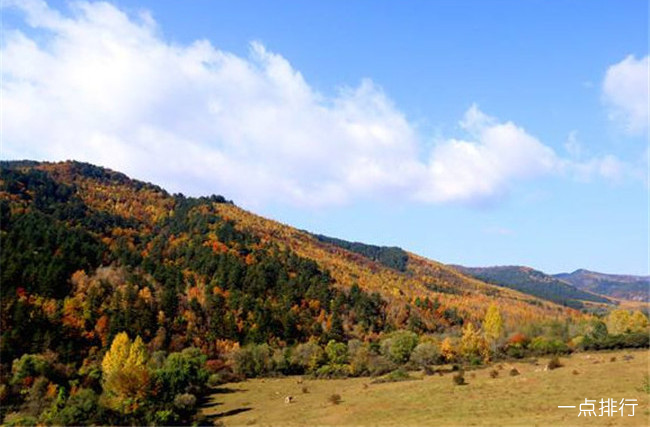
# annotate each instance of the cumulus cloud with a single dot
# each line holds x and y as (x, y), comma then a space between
(625, 92)
(98, 85)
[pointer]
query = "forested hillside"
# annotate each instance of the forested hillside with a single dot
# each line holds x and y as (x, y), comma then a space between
(636, 288)
(120, 300)
(534, 282)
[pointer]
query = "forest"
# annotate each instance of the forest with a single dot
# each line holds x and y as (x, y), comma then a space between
(123, 304)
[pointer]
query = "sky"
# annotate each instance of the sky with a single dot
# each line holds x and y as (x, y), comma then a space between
(470, 132)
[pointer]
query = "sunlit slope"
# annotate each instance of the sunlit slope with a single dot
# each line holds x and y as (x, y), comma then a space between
(407, 290)
(427, 291)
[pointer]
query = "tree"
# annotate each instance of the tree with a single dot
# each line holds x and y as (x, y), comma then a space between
(125, 374)
(618, 322)
(399, 345)
(493, 326)
(638, 322)
(425, 354)
(472, 344)
(336, 352)
(447, 350)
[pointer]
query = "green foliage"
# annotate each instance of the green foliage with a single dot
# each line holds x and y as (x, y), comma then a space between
(399, 345)
(611, 342)
(253, 360)
(182, 372)
(337, 352)
(29, 365)
(81, 408)
(543, 345)
(397, 375)
(20, 420)
(333, 370)
(391, 257)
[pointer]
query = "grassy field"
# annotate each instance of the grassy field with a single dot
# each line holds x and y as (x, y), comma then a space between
(531, 398)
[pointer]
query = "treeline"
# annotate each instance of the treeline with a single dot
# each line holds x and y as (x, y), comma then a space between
(389, 256)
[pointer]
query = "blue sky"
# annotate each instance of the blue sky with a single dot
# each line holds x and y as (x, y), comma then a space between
(471, 132)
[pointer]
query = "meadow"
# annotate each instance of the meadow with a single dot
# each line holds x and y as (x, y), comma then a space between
(530, 398)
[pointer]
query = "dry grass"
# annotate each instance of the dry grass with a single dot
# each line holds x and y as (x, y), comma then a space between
(530, 398)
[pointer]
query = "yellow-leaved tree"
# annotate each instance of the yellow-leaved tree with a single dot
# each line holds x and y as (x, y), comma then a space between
(472, 344)
(125, 374)
(447, 350)
(638, 322)
(493, 325)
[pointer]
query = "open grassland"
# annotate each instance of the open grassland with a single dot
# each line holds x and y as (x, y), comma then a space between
(531, 398)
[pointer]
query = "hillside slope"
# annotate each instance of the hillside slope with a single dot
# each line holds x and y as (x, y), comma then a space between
(452, 293)
(534, 282)
(634, 288)
(224, 272)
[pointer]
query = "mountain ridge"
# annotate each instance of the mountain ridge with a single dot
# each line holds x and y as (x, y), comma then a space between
(529, 280)
(624, 286)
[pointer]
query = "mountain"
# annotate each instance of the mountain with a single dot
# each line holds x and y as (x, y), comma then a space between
(88, 252)
(121, 303)
(635, 288)
(534, 282)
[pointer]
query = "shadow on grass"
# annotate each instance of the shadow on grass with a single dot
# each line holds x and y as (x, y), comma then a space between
(226, 390)
(215, 417)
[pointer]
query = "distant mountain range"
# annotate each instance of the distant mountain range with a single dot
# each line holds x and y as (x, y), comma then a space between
(635, 288)
(534, 282)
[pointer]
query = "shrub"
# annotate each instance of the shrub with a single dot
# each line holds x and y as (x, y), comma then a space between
(542, 345)
(29, 365)
(185, 401)
(305, 389)
(399, 345)
(359, 356)
(554, 363)
(81, 408)
(575, 372)
(307, 357)
(334, 399)
(336, 352)
(397, 375)
(182, 372)
(514, 372)
(379, 365)
(459, 378)
(494, 373)
(18, 419)
(425, 354)
(252, 360)
(333, 371)
(216, 380)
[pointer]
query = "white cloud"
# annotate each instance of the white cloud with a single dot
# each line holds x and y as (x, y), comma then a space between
(572, 145)
(499, 154)
(625, 92)
(100, 86)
